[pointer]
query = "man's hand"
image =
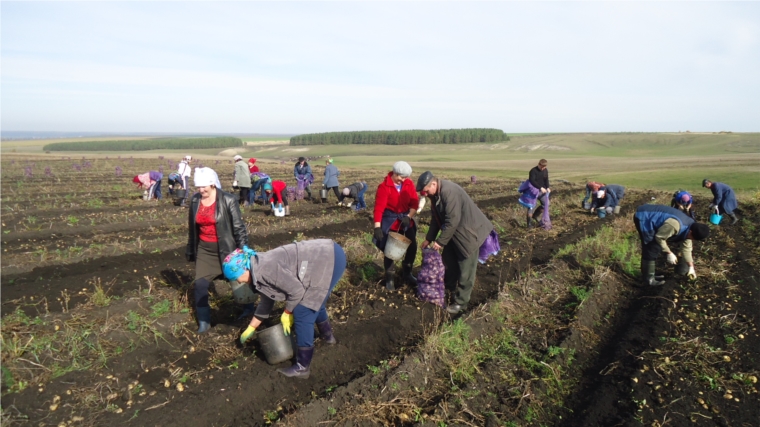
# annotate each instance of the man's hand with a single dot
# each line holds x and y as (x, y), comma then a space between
(672, 259)
(435, 246)
(543, 190)
(379, 234)
(424, 244)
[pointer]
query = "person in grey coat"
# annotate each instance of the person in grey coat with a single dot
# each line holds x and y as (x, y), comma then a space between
(303, 275)
(331, 178)
(242, 179)
(608, 197)
(724, 199)
(463, 228)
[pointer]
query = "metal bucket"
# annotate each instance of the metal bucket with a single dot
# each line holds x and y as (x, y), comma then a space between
(587, 205)
(682, 268)
(323, 193)
(277, 347)
(396, 245)
(616, 210)
(242, 293)
(715, 218)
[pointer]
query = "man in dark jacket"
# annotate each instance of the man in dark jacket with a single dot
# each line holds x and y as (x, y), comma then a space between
(463, 228)
(539, 178)
(608, 198)
(659, 225)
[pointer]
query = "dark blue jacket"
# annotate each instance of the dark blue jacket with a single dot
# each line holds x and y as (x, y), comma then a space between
(724, 196)
(301, 171)
(652, 217)
(613, 193)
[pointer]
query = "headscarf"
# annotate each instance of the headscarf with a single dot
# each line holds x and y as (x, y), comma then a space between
(329, 161)
(252, 160)
(237, 157)
(237, 262)
(205, 177)
(268, 186)
(600, 194)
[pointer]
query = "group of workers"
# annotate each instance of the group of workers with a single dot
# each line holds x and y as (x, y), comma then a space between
(304, 274)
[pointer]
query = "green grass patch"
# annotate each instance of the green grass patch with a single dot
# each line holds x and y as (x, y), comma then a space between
(609, 246)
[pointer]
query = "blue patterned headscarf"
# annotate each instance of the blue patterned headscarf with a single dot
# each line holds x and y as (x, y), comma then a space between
(237, 262)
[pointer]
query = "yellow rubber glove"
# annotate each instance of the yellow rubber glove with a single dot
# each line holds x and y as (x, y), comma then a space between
(287, 321)
(247, 334)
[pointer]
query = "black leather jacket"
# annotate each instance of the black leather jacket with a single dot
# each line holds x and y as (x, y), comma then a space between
(230, 229)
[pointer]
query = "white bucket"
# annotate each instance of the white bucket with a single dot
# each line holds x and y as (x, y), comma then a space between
(145, 195)
(396, 245)
(616, 210)
(279, 212)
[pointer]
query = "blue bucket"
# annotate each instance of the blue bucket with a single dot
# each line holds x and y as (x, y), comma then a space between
(715, 218)
(601, 213)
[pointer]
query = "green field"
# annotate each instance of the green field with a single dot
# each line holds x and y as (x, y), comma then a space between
(644, 160)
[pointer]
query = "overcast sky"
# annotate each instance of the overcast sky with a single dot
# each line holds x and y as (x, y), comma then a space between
(312, 67)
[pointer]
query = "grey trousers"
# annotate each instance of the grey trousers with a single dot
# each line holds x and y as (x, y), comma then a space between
(460, 275)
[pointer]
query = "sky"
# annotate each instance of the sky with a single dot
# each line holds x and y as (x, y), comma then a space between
(297, 67)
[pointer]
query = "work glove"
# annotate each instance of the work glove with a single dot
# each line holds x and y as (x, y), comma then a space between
(405, 222)
(287, 321)
(247, 334)
(692, 274)
(234, 183)
(379, 234)
(711, 207)
(672, 258)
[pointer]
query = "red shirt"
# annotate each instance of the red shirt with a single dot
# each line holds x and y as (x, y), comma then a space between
(388, 197)
(278, 187)
(253, 168)
(206, 220)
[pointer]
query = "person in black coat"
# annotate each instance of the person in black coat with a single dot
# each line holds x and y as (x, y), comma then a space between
(539, 178)
(215, 229)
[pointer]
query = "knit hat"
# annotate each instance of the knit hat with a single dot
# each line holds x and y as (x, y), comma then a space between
(252, 160)
(346, 191)
(205, 177)
(402, 168)
(237, 262)
(699, 231)
(268, 186)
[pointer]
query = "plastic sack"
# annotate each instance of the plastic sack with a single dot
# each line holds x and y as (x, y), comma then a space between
(528, 195)
(291, 194)
(430, 286)
(489, 248)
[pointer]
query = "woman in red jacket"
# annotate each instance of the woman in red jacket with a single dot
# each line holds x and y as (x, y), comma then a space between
(277, 190)
(396, 203)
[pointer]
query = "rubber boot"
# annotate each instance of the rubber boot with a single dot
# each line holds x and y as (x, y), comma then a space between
(301, 367)
(326, 332)
(530, 222)
(204, 318)
(648, 274)
(248, 309)
(407, 275)
(389, 278)
(287, 210)
(734, 219)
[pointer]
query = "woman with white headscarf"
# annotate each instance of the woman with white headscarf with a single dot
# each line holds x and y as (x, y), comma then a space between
(216, 229)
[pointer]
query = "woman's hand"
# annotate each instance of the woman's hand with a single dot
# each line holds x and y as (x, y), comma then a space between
(247, 334)
(287, 321)
(379, 234)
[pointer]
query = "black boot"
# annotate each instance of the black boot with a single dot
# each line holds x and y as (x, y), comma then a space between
(648, 274)
(407, 275)
(734, 219)
(530, 222)
(389, 278)
(326, 332)
(204, 318)
(301, 367)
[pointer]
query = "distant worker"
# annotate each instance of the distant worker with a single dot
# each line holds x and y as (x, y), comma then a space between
(151, 182)
(258, 179)
(354, 191)
(276, 192)
(174, 179)
(396, 204)
(724, 199)
(608, 198)
(683, 201)
(659, 225)
(215, 230)
(463, 229)
(252, 168)
(242, 179)
(591, 188)
(302, 172)
(303, 276)
(184, 170)
(538, 177)
(331, 178)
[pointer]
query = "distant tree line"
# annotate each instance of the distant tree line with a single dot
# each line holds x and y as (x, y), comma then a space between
(146, 144)
(402, 137)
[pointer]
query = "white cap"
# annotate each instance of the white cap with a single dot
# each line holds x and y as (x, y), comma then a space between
(600, 194)
(205, 177)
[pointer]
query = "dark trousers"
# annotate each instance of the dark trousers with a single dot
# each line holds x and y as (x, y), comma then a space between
(411, 251)
(207, 268)
(244, 195)
(337, 193)
(460, 275)
(257, 185)
(305, 318)
(650, 251)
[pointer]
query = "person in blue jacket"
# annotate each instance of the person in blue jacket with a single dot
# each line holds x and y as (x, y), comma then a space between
(608, 198)
(683, 201)
(331, 178)
(659, 225)
(302, 172)
(724, 199)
